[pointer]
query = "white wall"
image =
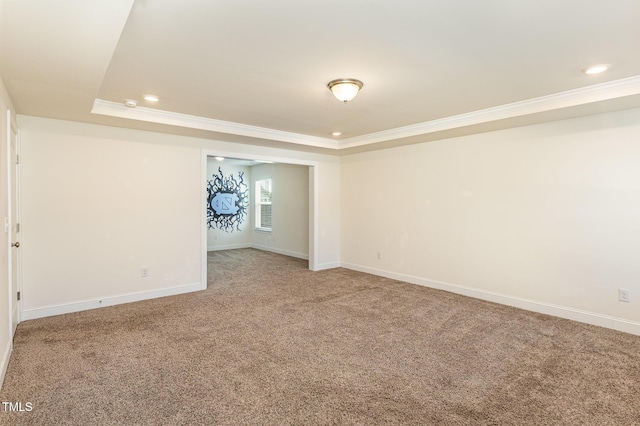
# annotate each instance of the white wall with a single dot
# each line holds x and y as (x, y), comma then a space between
(100, 203)
(328, 201)
(290, 209)
(543, 217)
(218, 239)
(5, 332)
(98, 206)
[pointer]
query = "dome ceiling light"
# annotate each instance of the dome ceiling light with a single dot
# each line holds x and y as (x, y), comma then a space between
(345, 89)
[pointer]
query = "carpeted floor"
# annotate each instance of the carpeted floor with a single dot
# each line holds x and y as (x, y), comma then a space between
(271, 343)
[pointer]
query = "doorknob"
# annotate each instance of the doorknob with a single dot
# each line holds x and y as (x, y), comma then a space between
(16, 244)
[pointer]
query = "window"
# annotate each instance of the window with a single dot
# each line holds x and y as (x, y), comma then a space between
(263, 204)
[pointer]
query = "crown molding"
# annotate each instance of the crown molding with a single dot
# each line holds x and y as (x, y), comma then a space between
(585, 95)
(595, 93)
(117, 109)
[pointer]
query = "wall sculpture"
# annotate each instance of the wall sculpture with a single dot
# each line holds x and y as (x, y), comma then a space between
(227, 201)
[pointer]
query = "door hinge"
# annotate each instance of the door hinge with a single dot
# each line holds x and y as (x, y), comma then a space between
(17, 159)
(18, 295)
(17, 227)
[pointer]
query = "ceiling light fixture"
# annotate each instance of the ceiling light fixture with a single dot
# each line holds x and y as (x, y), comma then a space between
(131, 103)
(219, 158)
(596, 69)
(336, 133)
(151, 98)
(345, 89)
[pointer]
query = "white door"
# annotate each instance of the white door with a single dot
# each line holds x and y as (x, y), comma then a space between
(14, 211)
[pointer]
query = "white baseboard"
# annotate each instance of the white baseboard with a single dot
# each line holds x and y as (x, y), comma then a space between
(67, 308)
(592, 318)
(330, 265)
(281, 251)
(229, 247)
(5, 362)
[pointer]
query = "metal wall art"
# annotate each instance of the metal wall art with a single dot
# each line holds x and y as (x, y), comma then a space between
(227, 201)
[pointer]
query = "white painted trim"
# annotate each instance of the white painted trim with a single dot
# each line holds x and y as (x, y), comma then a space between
(8, 225)
(18, 219)
(84, 305)
(118, 109)
(229, 247)
(330, 265)
(6, 356)
(13, 185)
(203, 220)
(281, 251)
(593, 318)
(584, 95)
(314, 227)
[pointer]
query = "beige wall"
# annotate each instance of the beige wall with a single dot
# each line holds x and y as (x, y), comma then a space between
(290, 209)
(101, 203)
(544, 217)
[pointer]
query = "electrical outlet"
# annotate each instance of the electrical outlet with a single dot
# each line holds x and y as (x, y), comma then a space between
(144, 272)
(623, 295)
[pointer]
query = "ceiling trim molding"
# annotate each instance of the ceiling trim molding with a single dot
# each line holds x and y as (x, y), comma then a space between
(595, 93)
(116, 109)
(585, 95)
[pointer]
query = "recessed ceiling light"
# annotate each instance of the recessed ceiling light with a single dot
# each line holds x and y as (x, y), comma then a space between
(219, 158)
(336, 133)
(151, 98)
(596, 69)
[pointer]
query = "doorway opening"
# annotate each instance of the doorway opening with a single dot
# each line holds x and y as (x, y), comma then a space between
(287, 213)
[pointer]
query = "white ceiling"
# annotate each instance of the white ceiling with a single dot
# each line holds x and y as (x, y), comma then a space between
(256, 72)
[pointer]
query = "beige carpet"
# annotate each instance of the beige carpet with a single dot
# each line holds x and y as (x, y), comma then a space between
(270, 343)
